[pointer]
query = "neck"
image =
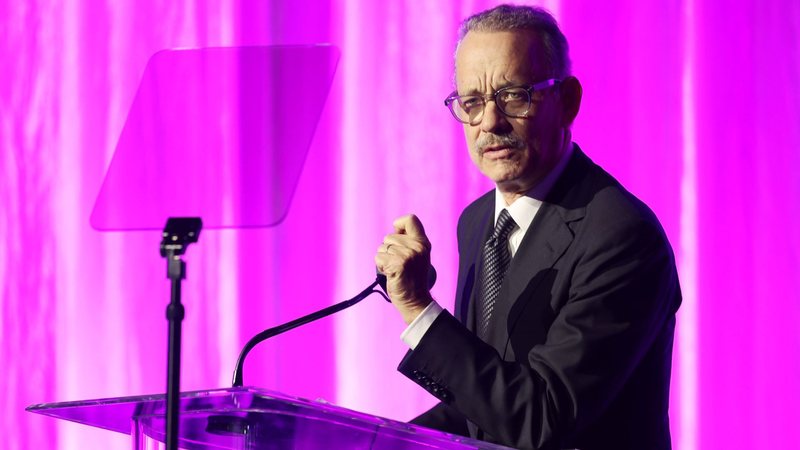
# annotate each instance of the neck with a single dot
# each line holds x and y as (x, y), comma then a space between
(511, 197)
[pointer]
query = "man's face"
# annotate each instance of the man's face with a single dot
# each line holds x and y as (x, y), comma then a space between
(515, 153)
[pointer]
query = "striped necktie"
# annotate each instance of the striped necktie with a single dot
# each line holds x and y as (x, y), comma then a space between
(496, 258)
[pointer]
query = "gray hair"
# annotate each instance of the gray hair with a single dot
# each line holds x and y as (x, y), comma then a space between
(534, 18)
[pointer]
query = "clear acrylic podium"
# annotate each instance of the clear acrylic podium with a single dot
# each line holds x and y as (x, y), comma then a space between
(250, 418)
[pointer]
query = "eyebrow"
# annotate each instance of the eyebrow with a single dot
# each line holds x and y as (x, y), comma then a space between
(507, 84)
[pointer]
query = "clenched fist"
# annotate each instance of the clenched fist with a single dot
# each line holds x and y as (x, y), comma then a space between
(405, 259)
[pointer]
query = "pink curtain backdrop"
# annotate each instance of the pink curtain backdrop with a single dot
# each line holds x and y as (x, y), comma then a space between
(693, 104)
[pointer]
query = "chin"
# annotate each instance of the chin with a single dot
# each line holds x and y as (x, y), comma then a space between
(502, 172)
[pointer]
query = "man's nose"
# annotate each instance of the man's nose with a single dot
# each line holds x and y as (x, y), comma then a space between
(493, 120)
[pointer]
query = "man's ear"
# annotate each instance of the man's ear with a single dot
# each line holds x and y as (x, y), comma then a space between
(571, 92)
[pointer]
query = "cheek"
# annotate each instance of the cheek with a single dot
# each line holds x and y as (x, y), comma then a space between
(534, 132)
(546, 122)
(473, 155)
(528, 133)
(471, 136)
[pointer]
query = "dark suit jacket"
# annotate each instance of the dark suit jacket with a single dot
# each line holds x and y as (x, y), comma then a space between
(580, 346)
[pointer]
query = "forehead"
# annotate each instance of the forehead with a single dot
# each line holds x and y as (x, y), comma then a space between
(489, 59)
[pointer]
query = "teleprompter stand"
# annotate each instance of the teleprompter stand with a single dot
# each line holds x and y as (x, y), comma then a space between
(178, 234)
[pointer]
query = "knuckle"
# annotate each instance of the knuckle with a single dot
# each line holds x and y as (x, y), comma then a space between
(417, 247)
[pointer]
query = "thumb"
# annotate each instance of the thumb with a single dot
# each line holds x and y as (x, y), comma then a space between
(409, 225)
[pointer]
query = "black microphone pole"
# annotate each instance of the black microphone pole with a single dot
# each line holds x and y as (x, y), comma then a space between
(380, 280)
(238, 377)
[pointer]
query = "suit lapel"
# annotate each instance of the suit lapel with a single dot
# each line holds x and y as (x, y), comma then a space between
(470, 259)
(544, 243)
(547, 239)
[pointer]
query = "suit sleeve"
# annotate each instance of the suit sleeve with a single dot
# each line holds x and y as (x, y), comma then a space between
(622, 292)
(445, 418)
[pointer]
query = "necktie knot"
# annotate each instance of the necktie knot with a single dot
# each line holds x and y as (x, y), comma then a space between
(503, 227)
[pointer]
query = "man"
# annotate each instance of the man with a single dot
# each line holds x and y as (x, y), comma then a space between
(567, 287)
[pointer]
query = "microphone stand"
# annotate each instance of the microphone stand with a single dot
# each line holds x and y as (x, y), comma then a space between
(274, 331)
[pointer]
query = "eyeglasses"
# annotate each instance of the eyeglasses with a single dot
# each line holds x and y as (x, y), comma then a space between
(513, 101)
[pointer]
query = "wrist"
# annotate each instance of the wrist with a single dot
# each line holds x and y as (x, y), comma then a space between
(413, 311)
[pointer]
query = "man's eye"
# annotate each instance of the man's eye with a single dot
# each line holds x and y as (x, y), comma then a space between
(468, 103)
(512, 95)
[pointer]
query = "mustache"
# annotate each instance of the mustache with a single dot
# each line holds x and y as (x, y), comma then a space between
(498, 140)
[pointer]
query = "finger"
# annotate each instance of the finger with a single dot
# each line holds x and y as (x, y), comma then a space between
(402, 241)
(389, 265)
(381, 261)
(410, 225)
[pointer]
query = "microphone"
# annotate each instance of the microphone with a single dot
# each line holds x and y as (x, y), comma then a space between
(238, 377)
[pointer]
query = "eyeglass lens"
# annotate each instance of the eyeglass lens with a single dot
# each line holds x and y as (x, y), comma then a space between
(513, 102)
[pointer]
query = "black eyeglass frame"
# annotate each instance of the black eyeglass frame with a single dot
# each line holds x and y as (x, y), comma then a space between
(528, 88)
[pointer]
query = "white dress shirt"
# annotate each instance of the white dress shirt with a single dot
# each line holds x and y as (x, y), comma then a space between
(523, 210)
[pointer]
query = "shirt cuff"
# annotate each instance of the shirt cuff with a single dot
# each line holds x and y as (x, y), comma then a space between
(419, 326)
